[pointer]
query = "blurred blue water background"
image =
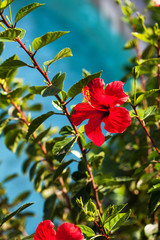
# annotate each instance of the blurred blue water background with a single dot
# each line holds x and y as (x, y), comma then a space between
(95, 46)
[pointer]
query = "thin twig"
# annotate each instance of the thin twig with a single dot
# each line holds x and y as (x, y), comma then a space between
(144, 127)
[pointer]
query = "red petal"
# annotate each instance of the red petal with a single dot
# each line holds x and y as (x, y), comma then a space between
(95, 94)
(81, 112)
(93, 129)
(118, 120)
(115, 94)
(45, 231)
(69, 231)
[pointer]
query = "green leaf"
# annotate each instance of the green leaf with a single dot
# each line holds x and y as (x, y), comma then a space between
(144, 37)
(10, 177)
(150, 61)
(46, 39)
(37, 122)
(36, 89)
(91, 207)
(66, 52)
(130, 44)
(155, 188)
(30, 237)
(117, 221)
(154, 202)
(60, 169)
(4, 123)
(58, 80)
(21, 197)
(55, 88)
(9, 216)
(42, 135)
(66, 130)
(77, 87)
(64, 96)
(12, 139)
(12, 64)
(85, 73)
(16, 93)
(56, 104)
(1, 47)
(21, 36)
(25, 10)
(111, 212)
(5, 4)
(49, 207)
(9, 35)
(61, 148)
(145, 95)
(33, 170)
(83, 192)
(35, 107)
(149, 111)
(87, 231)
(97, 160)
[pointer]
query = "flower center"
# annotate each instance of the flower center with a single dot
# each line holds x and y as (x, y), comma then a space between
(86, 94)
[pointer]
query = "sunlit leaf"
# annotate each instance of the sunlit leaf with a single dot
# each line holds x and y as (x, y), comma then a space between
(146, 95)
(144, 37)
(5, 4)
(130, 44)
(9, 35)
(46, 39)
(117, 221)
(25, 10)
(149, 111)
(87, 231)
(66, 52)
(151, 61)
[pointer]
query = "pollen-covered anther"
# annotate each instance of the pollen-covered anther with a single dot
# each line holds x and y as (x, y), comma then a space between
(86, 94)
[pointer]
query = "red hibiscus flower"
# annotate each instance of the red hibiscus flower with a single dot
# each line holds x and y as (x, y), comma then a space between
(45, 231)
(101, 105)
(69, 231)
(156, 3)
(66, 231)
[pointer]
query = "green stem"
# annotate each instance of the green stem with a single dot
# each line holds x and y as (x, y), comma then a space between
(10, 13)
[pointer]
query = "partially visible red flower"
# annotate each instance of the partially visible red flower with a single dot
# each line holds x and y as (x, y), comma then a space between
(66, 231)
(156, 3)
(45, 231)
(101, 105)
(69, 231)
